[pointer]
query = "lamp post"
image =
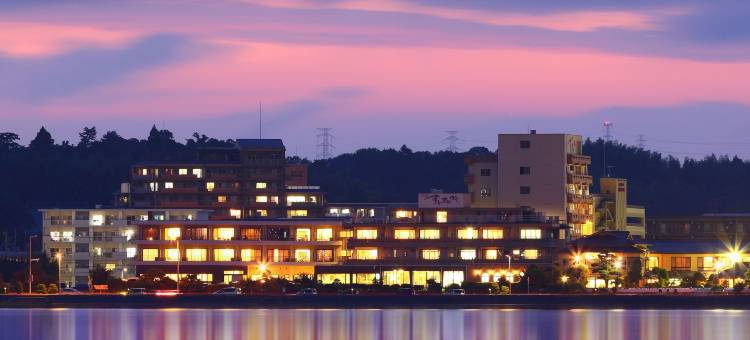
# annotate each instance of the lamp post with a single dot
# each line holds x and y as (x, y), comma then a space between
(58, 256)
(30, 274)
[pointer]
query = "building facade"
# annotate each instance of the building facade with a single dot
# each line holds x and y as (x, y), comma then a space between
(85, 238)
(612, 211)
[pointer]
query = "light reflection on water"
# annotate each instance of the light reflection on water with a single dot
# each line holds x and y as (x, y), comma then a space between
(104, 324)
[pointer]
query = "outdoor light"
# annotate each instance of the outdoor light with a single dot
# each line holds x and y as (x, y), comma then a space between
(618, 264)
(564, 278)
(735, 257)
(577, 258)
(262, 267)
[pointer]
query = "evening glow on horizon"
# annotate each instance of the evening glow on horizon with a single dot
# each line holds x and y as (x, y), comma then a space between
(397, 72)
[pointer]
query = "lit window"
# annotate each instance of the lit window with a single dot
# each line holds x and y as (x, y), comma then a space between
(531, 254)
(171, 234)
(97, 219)
(144, 172)
(221, 199)
(198, 173)
(261, 185)
(168, 185)
(261, 213)
(128, 234)
(430, 254)
(367, 234)
(54, 235)
(210, 186)
(223, 234)
(171, 254)
(492, 234)
(182, 171)
(366, 253)
(468, 254)
(131, 252)
(324, 234)
(404, 234)
(235, 213)
(404, 214)
(531, 234)
(261, 199)
(345, 211)
(248, 255)
(346, 233)
(485, 192)
(292, 199)
(468, 233)
(153, 186)
(516, 252)
(429, 234)
(303, 234)
(223, 255)
(97, 251)
(67, 236)
(490, 254)
(441, 217)
(150, 254)
(110, 266)
(275, 199)
(297, 213)
(196, 254)
(302, 255)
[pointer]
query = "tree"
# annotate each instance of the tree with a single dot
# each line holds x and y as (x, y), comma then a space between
(42, 141)
(9, 141)
(634, 275)
(693, 280)
(100, 276)
(575, 278)
(88, 137)
(608, 269)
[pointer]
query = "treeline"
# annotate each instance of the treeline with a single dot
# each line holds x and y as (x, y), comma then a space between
(46, 174)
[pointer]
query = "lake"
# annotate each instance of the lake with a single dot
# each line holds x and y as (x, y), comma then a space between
(385, 324)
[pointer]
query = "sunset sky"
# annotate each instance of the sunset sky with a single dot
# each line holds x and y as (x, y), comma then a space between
(381, 73)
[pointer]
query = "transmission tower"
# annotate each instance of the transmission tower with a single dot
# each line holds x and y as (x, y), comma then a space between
(452, 141)
(607, 139)
(641, 141)
(608, 131)
(325, 143)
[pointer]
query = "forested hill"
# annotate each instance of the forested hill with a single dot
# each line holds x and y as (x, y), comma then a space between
(47, 174)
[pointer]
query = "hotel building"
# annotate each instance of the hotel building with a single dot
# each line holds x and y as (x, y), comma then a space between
(612, 211)
(86, 238)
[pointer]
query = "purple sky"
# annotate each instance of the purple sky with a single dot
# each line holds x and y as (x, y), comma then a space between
(381, 73)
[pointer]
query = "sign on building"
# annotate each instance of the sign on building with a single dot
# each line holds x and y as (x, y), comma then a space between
(443, 200)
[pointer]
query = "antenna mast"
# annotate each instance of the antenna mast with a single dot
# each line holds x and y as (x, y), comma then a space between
(607, 139)
(452, 141)
(325, 143)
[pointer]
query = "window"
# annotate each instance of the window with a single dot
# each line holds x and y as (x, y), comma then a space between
(324, 255)
(468, 254)
(346, 233)
(221, 199)
(275, 199)
(172, 254)
(153, 186)
(525, 170)
(468, 233)
(531, 234)
(131, 252)
(430, 254)
(54, 235)
(168, 185)
(110, 266)
(367, 234)
(143, 172)
(441, 216)
(292, 199)
(198, 173)
(67, 236)
(492, 234)
(97, 219)
(223, 255)
(261, 199)
(324, 234)
(302, 255)
(525, 190)
(278, 255)
(171, 234)
(429, 234)
(97, 251)
(303, 234)
(261, 185)
(531, 254)
(248, 255)
(252, 234)
(210, 186)
(525, 144)
(404, 234)
(485, 192)
(297, 213)
(490, 254)
(706, 262)
(197, 254)
(680, 263)
(235, 213)
(150, 254)
(485, 172)
(223, 234)
(182, 171)
(366, 253)
(261, 213)
(405, 214)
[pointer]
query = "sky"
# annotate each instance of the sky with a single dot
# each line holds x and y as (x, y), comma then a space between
(673, 74)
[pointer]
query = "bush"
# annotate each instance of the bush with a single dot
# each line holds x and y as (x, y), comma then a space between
(434, 287)
(739, 287)
(41, 289)
(53, 289)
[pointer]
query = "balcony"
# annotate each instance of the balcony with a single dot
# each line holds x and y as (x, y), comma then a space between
(579, 218)
(579, 179)
(576, 198)
(579, 159)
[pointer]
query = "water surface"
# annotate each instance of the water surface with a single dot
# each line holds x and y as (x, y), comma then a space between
(157, 324)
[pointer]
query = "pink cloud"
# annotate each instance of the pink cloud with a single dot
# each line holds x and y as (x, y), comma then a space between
(32, 39)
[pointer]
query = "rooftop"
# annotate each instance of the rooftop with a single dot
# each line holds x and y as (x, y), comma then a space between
(260, 144)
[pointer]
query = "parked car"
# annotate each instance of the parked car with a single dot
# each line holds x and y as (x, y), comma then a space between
(349, 291)
(406, 291)
(70, 291)
(136, 291)
(307, 291)
(228, 291)
(455, 291)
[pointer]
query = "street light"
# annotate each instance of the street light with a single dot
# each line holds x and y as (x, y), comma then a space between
(58, 256)
(30, 274)
(564, 279)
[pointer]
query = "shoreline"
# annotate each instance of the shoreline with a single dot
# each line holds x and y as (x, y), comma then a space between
(551, 302)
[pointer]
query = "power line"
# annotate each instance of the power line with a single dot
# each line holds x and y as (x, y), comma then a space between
(452, 141)
(641, 141)
(325, 143)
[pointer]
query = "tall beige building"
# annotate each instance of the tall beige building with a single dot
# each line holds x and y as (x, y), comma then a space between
(547, 172)
(611, 209)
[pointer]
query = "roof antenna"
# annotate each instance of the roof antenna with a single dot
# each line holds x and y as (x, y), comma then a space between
(260, 120)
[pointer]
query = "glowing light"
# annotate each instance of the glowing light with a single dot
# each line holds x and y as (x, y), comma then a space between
(564, 278)
(577, 258)
(262, 267)
(735, 257)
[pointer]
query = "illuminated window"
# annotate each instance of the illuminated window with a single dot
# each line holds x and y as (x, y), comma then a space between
(302, 255)
(67, 236)
(303, 234)
(261, 185)
(366, 253)
(221, 199)
(153, 186)
(429, 234)
(171, 234)
(531, 254)
(144, 172)
(168, 185)
(261, 212)
(110, 266)
(404, 234)
(223, 234)
(182, 171)
(131, 252)
(205, 277)
(261, 199)
(292, 199)
(171, 254)
(223, 255)
(275, 199)
(198, 173)
(346, 233)
(235, 213)
(128, 234)
(97, 251)
(652, 262)
(97, 219)
(248, 255)
(531, 234)
(54, 235)
(197, 254)
(468, 233)
(297, 213)
(516, 252)
(367, 234)
(441, 217)
(490, 254)
(210, 186)
(430, 254)
(405, 214)
(468, 254)
(150, 254)
(324, 234)
(492, 234)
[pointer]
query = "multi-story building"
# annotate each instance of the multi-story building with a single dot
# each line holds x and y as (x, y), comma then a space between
(445, 240)
(547, 172)
(612, 212)
(248, 180)
(228, 251)
(86, 238)
(729, 228)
